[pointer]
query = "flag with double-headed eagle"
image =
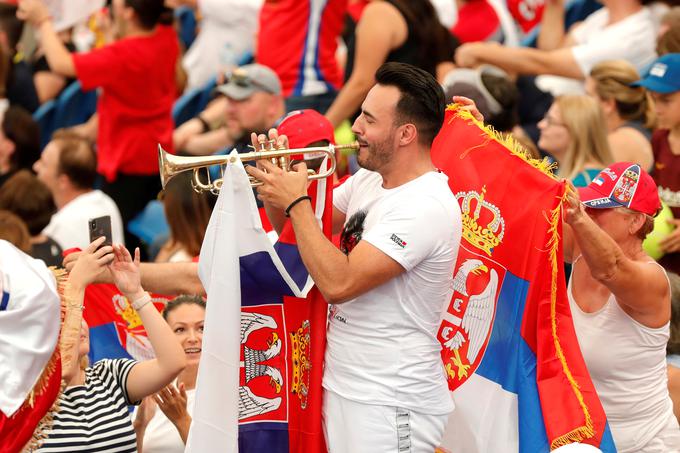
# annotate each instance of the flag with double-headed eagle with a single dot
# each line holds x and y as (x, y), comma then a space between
(259, 379)
(517, 376)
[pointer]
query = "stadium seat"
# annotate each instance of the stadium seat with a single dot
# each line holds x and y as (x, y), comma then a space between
(44, 116)
(150, 224)
(75, 106)
(187, 25)
(187, 106)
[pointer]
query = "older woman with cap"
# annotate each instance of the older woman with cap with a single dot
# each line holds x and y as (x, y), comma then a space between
(620, 303)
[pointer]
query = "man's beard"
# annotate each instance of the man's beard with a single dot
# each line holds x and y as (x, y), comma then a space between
(377, 155)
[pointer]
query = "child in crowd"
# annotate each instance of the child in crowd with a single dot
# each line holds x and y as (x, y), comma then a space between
(663, 81)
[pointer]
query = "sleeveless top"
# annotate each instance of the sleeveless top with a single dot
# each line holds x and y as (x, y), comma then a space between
(627, 364)
(411, 51)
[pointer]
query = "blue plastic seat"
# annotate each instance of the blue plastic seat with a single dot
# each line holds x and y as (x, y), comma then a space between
(150, 224)
(44, 116)
(187, 106)
(75, 106)
(187, 25)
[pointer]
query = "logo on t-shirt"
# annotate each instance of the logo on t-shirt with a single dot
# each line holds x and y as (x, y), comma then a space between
(397, 240)
(352, 232)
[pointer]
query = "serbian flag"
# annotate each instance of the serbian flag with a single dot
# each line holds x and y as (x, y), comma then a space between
(259, 380)
(116, 330)
(509, 348)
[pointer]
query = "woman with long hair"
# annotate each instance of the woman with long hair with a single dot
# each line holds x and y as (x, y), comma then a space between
(187, 213)
(405, 31)
(162, 421)
(628, 111)
(573, 132)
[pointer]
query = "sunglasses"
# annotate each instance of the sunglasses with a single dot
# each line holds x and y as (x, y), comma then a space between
(241, 78)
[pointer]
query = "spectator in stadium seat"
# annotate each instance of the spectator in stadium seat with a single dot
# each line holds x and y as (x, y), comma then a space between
(26, 196)
(19, 142)
(67, 167)
(136, 75)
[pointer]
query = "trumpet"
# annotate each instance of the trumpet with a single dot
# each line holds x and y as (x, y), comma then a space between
(170, 165)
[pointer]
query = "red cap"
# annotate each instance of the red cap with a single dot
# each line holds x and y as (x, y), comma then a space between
(623, 184)
(304, 127)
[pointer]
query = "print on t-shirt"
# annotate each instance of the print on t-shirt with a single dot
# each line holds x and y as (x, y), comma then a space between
(351, 234)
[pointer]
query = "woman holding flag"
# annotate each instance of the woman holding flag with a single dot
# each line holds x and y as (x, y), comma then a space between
(619, 296)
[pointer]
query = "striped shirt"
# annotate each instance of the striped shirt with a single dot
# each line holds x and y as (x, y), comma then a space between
(94, 416)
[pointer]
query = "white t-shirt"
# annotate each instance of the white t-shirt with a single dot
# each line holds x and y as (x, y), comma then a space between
(382, 345)
(161, 436)
(227, 32)
(632, 39)
(69, 225)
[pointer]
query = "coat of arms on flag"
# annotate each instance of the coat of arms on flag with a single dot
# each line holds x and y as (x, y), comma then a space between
(259, 380)
(515, 370)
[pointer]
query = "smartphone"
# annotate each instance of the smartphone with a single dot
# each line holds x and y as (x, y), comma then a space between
(98, 227)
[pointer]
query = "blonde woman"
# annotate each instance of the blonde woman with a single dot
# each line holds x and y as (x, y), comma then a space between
(628, 111)
(573, 131)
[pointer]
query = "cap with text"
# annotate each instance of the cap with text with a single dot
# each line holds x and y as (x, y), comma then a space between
(623, 184)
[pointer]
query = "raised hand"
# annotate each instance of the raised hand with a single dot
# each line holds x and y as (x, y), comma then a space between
(32, 11)
(574, 210)
(90, 263)
(469, 105)
(173, 402)
(125, 271)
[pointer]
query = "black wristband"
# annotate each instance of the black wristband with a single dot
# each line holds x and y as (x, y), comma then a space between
(296, 201)
(204, 123)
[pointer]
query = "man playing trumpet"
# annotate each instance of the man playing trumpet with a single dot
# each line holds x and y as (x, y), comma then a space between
(385, 386)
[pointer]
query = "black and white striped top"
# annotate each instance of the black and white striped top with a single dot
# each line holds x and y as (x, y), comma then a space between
(95, 417)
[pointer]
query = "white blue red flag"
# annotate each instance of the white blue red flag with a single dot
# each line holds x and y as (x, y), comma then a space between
(259, 380)
(514, 365)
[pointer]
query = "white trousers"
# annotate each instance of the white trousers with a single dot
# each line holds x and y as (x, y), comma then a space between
(352, 427)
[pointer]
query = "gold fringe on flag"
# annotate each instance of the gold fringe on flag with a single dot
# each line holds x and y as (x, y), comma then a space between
(586, 431)
(45, 424)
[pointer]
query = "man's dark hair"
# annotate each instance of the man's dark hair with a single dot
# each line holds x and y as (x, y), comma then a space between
(9, 24)
(20, 128)
(26, 196)
(422, 99)
(148, 11)
(77, 159)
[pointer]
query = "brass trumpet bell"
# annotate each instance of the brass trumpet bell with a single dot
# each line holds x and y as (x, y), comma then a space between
(169, 165)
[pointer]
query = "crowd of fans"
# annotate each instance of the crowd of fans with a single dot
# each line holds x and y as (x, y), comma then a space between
(583, 84)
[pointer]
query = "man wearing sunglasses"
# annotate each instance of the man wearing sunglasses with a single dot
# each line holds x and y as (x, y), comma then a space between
(252, 101)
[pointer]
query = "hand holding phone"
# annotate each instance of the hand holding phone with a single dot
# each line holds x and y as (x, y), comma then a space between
(98, 227)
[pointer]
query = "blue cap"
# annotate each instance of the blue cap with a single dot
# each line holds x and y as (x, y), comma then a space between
(664, 75)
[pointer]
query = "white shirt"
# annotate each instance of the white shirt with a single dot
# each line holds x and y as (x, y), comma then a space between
(632, 39)
(69, 225)
(382, 345)
(227, 32)
(629, 374)
(161, 436)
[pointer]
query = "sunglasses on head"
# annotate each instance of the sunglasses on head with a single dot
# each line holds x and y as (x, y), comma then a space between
(241, 78)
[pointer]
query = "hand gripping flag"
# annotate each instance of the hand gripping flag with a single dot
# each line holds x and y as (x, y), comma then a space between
(259, 380)
(513, 362)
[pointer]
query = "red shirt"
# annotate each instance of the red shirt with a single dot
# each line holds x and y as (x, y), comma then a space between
(137, 78)
(666, 174)
(477, 21)
(298, 40)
